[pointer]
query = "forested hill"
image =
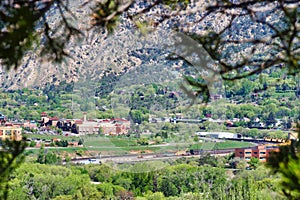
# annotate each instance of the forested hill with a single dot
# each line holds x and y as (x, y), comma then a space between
(264, 97)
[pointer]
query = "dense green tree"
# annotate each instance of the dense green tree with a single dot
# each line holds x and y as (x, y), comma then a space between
(47, 182)
(271, 121)
(52, 158)
(143, 141)
(207, 159)
(286, 162)
(254, 162)
(41, 155)
(156, 196)
(136, 116)
(11, 156)
(167, 188)
(107, 189)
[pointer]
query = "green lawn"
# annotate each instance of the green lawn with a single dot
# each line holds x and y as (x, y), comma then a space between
(233, 144)
(49, 137)
(221, 145)
(124, 145)
(112, 142)
(113, 150)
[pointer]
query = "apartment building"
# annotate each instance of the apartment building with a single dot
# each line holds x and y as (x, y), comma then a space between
(10, 133)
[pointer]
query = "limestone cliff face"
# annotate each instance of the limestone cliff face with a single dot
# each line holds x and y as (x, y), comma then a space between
(94, 55)
(34, 72)
(120, 52)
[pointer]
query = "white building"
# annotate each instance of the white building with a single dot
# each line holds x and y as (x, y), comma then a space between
(219, 135)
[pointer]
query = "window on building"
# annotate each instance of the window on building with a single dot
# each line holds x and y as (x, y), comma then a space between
(8, 132)
(248, 152)
(255, 152)
(262, 152)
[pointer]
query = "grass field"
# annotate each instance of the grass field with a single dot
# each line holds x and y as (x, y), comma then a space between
(108, 142)
(49, 137)
(221, 145)
(94, 145)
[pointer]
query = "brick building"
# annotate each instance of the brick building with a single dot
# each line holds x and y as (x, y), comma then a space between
(262, 152)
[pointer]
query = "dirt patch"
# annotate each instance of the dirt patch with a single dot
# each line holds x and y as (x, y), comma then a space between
(140, 151)
(148, 151)
(134, 152)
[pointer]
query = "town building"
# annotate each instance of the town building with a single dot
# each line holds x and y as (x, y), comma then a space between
(88, 127)
(48, 121)
(10, 133)
(29, 125)
(114, 126)
(262, 152)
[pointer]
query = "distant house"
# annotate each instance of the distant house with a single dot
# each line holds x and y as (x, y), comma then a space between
(216, 97)
(245, 119)
(29, 125)
(229, 123)
(48, 121)
(53, 120)
(235, 119)
(179, 115)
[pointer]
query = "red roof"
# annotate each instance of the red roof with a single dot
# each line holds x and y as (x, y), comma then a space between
(120, 119)
(78, 121)
(54, 118)
(106, 120)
